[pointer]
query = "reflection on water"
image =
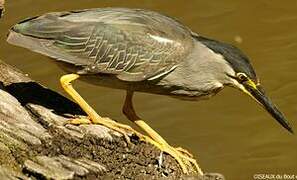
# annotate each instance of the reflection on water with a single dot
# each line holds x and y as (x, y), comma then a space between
(229, 134)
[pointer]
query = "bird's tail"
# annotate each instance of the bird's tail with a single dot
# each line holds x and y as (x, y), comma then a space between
(44, 27)
(40, 33)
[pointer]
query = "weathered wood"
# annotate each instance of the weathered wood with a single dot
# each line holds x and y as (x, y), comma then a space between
(35, 143)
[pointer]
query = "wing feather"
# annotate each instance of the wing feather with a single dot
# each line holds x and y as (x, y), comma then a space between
(132, 44)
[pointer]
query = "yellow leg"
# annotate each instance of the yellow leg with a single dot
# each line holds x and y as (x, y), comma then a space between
(93, 116)
(183, 157)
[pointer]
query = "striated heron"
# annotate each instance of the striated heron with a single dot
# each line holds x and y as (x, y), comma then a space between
(140, 50)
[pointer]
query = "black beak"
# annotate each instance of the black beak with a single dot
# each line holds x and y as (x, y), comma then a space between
(259, 94)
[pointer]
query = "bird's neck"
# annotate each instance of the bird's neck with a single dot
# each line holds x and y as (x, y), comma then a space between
(201, 74)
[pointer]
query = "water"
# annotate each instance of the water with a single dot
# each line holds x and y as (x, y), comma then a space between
(230, 133)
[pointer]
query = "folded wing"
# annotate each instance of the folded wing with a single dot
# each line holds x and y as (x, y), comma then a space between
(132, 44)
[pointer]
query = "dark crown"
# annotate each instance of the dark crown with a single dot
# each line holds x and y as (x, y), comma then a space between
(234, 56)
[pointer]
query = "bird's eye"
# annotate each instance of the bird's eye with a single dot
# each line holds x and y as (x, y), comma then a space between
(242, 77)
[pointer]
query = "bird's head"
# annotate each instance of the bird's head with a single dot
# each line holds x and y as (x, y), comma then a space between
(243, 77)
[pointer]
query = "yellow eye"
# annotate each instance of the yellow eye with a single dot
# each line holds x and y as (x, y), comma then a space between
(242, 77)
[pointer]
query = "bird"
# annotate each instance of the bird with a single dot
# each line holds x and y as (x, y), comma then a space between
(140, 50)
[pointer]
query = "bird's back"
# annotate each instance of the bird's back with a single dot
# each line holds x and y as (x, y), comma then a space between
(132, 44)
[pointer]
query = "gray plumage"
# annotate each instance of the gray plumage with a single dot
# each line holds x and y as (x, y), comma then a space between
(137, 49)
(127, 43)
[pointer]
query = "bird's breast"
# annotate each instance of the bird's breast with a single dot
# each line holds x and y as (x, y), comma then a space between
(195, 95)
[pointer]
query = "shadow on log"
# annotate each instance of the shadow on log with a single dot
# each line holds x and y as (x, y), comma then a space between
(35, 143)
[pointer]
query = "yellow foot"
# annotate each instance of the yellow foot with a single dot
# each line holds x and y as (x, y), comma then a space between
(123, 129)
(184, 151)
(79, 121)
(186, 161)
